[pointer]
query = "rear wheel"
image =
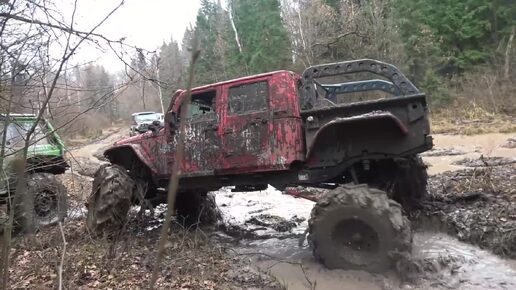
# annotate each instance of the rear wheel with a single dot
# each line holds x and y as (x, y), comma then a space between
(410, 182)
(404, 180)
(110, 199)
(43, 203)
(357, 227)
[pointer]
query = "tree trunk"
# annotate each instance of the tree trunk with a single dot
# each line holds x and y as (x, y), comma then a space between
(237, 39)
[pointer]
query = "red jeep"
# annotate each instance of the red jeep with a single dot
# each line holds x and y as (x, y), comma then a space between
(284, 129)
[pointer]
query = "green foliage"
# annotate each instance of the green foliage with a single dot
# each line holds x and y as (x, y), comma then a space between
(450, 32)
(335, 4)
(265, 43)
(170, 69)
(435, 89)
(210, 65)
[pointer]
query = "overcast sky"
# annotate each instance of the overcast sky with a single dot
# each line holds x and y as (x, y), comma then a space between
(145, 23)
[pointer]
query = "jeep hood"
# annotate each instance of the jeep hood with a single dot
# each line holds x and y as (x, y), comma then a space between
(131, 140)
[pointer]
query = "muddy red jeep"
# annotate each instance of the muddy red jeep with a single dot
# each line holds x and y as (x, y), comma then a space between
(359, 139)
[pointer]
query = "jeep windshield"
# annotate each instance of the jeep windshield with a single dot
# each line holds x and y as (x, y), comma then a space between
(17, 132)
(146, 117)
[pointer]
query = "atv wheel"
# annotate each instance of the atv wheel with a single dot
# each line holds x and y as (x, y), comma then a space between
(110, 199)
(194, 209)
(44, 202)
(357, 227)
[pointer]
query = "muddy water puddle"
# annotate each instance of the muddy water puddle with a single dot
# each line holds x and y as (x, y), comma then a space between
(443, 262)
(449, 150)
(466, 266)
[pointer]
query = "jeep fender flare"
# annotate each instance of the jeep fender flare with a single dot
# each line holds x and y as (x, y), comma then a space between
(118, 154)
(351, 130)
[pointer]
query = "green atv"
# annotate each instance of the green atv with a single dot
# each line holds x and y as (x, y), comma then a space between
(45, 200)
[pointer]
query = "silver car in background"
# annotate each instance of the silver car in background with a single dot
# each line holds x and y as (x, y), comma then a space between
(142, 121)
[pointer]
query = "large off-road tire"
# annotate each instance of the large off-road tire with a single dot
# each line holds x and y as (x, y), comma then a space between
(110, 199)
(410, 183)
(196, 208)
(43, 203)
(357, 227)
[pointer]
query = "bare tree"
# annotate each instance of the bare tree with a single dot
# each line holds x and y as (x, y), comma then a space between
(36, 46)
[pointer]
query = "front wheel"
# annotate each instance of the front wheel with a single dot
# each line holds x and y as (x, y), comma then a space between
(43, 203)
(357, 227)
(110, 199)
(194, 208)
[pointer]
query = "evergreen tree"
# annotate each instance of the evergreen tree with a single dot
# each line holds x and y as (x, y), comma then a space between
(264, 39)
(453, 34)
(213, 30)
(171, 68)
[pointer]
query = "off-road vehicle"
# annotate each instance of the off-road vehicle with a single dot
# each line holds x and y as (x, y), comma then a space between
(142, 121)
(358, 138)
(45, 200)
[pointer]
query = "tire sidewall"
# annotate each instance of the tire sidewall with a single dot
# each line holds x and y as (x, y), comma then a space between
(25, 205)
(110, 200)
(369, 206)
(326, 247)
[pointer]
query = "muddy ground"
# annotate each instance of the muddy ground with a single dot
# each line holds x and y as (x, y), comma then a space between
(465, 235)
(193, 260)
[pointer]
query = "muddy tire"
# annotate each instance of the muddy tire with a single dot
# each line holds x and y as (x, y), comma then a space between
(197, 209)
(411, 181)
(357, 227)
(110, 200)
(44, 203)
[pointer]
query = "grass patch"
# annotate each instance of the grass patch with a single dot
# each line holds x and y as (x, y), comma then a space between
(470, 120)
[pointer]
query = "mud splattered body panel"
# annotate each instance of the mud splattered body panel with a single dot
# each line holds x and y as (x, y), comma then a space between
(253, 125)
(261, 125)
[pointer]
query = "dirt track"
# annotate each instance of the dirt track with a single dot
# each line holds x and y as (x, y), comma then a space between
(474, 204)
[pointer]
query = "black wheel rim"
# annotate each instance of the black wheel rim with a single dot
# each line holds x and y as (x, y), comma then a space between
(45, 204)
(356, 241)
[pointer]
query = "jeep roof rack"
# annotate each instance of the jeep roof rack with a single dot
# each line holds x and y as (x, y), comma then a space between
(396, 84)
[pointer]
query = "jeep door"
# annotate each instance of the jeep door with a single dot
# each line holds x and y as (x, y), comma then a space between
(203, 144)
(246, 126)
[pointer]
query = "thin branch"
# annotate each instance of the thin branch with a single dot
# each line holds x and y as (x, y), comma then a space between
(61, 263)
(336, 39)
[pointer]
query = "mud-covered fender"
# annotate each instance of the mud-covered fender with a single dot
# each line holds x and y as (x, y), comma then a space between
(350, 136)
(122, 154)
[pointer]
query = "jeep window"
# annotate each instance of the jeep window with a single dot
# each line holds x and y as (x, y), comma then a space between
(248, 97)
(202, 105)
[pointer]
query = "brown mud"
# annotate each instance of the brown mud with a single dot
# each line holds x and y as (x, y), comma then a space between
(472, 147)
(477, 206)
(464, 235)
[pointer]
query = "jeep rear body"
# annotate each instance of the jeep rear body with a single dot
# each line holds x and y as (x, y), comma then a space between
(281, 128)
